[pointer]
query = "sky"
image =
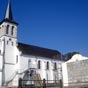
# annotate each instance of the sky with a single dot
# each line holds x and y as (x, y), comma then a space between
(56, 24)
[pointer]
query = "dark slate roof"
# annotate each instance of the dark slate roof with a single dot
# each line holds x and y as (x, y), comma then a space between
(38, 51)
(10, 21)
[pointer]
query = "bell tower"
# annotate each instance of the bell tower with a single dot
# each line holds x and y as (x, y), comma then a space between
(8, 27)
(8, 43)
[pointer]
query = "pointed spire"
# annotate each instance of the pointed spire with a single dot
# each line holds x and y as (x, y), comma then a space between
(8, 14)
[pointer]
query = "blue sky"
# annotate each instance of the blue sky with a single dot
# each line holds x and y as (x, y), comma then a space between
(56, 24)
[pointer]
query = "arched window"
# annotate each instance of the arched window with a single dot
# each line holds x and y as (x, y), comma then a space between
(7, 29)
(39, 64)
(47, 65)
(55, 66)
(12, 30)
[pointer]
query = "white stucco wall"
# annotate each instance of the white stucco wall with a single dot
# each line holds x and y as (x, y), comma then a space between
(10, 52)
(0, 78)
(1, 62)
(15, 69)
(24, 65)
(65, 74)
(68, 74)
(3, 29)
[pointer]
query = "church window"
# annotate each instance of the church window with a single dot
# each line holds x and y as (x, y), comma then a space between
(7, 29)
(16, 58)
(55, 66)
(7, 42)
(12, 43)
(47, 65)
(0, 51)
(12, 30)
(29, 63)
(39, 64)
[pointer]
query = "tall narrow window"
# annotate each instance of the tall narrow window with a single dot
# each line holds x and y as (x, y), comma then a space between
(12, 43)
(39, 64)
(7, 29)
(7, 42)
(12, 30)
(47, 65)
(16, 58)
(0, 51)
(55, 66)
(29, 63)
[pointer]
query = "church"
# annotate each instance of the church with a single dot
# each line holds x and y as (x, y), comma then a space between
(20, 60)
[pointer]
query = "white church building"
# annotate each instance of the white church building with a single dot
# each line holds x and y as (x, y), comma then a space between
(18, 60)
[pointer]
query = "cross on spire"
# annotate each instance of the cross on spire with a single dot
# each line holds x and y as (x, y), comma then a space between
(8, 14)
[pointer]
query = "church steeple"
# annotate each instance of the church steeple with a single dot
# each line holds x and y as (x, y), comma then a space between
(8, 25)
(8, 14)
(8, 17)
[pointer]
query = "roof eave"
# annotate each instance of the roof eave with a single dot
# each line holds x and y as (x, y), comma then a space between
(10, 21)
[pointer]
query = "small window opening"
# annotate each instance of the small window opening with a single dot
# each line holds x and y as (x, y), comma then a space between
(55, 66)
(16, 58)
(0, 51)
(10, 39)
(7, 29)
(12, 43)
(39, 64)
(12, 30)
(7, 42)
(47, 66)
